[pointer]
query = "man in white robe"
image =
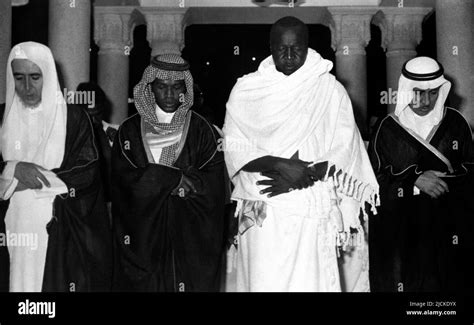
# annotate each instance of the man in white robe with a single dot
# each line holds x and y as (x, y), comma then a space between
(27, 155)
(300, 170)
(48, 185)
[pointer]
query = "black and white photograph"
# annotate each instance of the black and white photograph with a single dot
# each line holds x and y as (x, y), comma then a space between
(237, 159)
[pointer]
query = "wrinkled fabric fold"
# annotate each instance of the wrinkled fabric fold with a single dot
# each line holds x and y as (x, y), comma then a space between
(309, 112)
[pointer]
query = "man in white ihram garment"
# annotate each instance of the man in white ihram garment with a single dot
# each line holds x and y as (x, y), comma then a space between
(301, 173)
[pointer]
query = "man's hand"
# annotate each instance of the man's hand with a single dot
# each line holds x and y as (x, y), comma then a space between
(185, 188)
(30, 175)
(289, 175)
(20, 187)
(296, 172)
(318, 171)
(276, 184)
(430, 183)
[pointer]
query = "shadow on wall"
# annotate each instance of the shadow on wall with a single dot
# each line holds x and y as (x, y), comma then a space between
(454, 99)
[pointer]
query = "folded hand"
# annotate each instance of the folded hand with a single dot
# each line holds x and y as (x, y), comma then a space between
(30, 175)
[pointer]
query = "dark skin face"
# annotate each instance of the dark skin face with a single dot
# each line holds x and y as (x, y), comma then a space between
(169, 94)
(424, 101)
(289, 50)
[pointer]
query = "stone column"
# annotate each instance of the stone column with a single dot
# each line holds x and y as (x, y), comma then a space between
(401, 33)
(350, 33)
(113, 34)
(19, 2)
(165, 30)
(5, 44)
(455, 46)
(69, 39)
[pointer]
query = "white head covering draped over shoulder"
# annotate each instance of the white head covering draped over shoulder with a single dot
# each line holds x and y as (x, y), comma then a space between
(423, 73)
(36, 135)
(16, 140)
(269, 113)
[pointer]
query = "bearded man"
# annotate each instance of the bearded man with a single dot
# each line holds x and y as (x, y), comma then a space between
(50, 187)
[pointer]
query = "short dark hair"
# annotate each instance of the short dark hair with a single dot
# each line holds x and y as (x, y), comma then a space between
(288, 22)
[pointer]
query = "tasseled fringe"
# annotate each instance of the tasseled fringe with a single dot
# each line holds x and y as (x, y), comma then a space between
(345, 239)
(352, 187)
(342, 232)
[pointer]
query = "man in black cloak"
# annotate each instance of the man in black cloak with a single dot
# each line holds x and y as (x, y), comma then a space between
(104, 131)
(50, 193)
(423, 157)
(167, 188)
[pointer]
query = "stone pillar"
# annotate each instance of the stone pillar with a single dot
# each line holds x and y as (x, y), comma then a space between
(5, 44)
(19, 2)
(165, 30)
(350, 33)
(69, 40)
(401, 33)
(455, 46)
(113, 34)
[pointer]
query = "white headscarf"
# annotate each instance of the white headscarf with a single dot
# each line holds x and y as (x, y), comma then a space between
(36, 135)
(16, 140)
(423, 73)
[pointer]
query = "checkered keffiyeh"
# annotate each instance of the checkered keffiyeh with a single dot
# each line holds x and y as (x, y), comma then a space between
(166, 66)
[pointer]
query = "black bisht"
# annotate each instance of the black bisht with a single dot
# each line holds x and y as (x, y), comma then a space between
(417, 243)
(79, 254)
(165, 242)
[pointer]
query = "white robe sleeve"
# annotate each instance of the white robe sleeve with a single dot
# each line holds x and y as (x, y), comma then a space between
(8, 182)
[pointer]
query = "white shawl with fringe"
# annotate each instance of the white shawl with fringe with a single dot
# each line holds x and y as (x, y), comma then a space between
(269, 113)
